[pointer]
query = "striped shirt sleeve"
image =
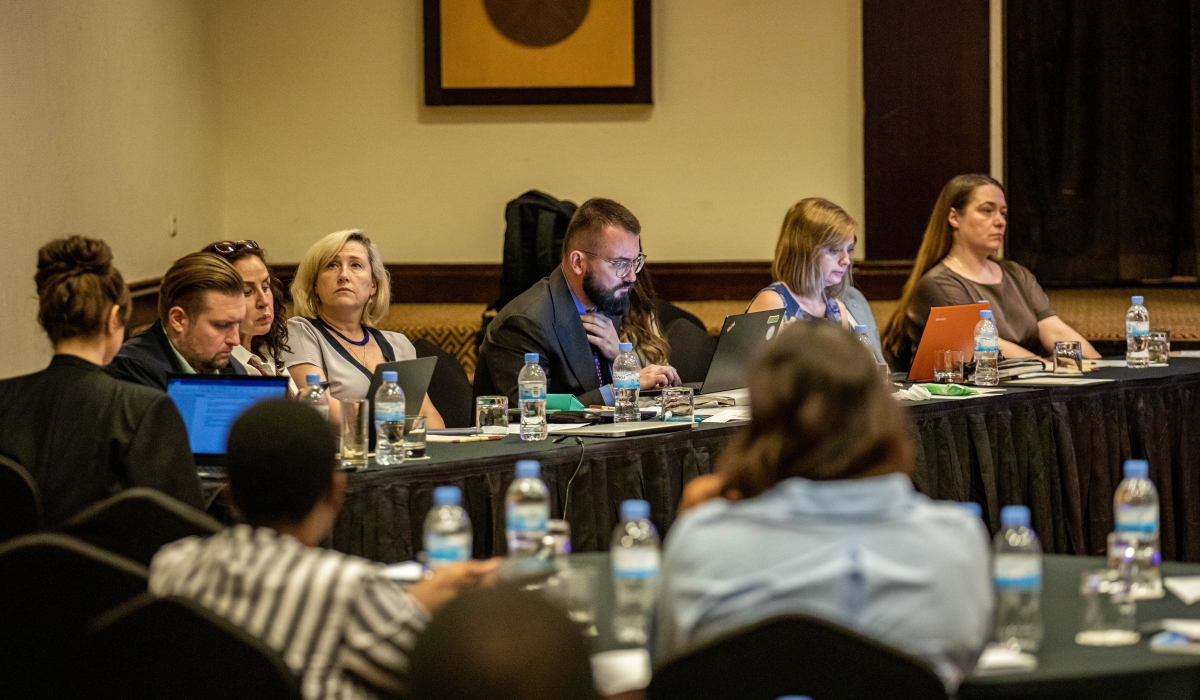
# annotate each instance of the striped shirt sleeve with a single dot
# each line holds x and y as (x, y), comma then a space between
(381, 630)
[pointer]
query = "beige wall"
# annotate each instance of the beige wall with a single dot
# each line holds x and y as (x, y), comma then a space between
(757, 104)
(110, 124)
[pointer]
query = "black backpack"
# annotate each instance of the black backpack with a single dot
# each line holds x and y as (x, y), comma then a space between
(535, 224)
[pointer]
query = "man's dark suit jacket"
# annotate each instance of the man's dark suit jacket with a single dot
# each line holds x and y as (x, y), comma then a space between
(85, 436)
(542, 320)
(148, 358)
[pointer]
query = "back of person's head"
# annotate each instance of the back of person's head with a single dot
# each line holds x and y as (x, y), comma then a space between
(305, 301)
(811, 226)
(78, 287)
(589, 221)
(818, 410)
(280, 459)
(935, 245)
(190, 278)
(501, 644)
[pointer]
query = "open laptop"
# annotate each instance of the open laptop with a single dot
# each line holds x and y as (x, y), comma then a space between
(947, 328)
(741, 336)
(209, 403)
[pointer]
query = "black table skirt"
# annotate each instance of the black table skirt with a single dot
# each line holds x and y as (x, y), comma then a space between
(1058, 450)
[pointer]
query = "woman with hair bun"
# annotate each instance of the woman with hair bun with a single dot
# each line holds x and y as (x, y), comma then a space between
(80, 433)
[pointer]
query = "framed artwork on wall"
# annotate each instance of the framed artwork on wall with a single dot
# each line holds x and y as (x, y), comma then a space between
(537, 52)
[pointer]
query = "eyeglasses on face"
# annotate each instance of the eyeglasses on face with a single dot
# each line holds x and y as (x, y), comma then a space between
(231, 247)
(622, 266)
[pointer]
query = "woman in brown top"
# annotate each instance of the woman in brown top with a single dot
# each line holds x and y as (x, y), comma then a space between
(955, 266)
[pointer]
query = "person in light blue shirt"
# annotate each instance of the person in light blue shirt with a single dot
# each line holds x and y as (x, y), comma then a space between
(812, 511)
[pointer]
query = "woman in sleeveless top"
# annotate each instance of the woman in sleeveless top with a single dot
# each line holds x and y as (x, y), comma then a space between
(341, 288)
(812, 268)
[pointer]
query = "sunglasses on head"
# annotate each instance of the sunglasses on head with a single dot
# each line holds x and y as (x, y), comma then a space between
(231, 247)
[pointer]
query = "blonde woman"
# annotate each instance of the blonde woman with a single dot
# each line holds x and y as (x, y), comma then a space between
(812, 269)
(340, 290)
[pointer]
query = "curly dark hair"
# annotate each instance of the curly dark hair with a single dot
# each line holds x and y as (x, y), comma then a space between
(77, 287)
(274, 341)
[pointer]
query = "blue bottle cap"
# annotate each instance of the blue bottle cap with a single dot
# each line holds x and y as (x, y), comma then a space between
(635, 509)
(1137, 300)
(1014, 516)
(447, 496)
(860, 328)
(529, 469)
(985, 313)
(626, 347)
(390, 376)
(1137, 469)
(531, 357)
(973, 508)
(312, 379)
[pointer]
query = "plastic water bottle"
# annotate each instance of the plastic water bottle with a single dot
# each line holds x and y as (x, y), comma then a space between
(528, 509)
(627, 384)
(1137, 335)
(973, 508)
(313, 395)
(987, 350)
(635, 559)
(881, 368)
(1017, 572)
(1135, 510)
(531, 383)
(389, 421)
(447, 529)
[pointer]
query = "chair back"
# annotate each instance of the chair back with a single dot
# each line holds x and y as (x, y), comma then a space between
(796, 655)
(172, 647)
(692, 350)
(20, 500)
(137, 522)
(51, 587)
(449, 388)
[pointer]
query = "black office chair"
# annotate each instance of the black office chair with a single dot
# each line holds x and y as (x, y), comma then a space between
(172, 647)
(669, 313)
(692, 350)
(51, 587)
(20, 501)
(449, 389)
(137, 522)
(796, 655)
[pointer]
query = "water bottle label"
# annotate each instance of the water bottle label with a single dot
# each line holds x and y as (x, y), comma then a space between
(986, 346)
(641, 563)
(446, 549)
(626, 380)
(532, 392)
(1137, 328)
(1137, 520)
(1018, 571)
(389, 413)
(527, 518)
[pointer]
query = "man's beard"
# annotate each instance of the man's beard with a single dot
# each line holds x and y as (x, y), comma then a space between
(607, 301)
(203, 365)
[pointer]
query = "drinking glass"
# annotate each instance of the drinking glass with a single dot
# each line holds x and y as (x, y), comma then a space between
(1160, 346)
(355, 433)
(414, 439)
(573, 589)
(1109, 611)
(676, 404)
(491, 415)
(1068, 357)
(948, 367)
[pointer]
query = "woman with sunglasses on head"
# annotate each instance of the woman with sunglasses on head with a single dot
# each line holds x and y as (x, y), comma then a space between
(812, 269)
(340, 291)
(264, 331)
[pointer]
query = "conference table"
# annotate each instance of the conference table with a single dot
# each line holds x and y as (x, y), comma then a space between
(1065, 669)
(1057, 449)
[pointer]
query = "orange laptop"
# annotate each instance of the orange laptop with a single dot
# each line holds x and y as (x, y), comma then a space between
(948, 328)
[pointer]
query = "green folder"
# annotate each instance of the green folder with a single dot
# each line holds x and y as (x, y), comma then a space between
(949, 389)
(562, 402)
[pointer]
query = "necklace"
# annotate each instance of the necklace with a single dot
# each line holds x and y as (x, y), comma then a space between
(358, 343)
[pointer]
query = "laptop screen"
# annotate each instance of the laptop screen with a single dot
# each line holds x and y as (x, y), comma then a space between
(209, 404)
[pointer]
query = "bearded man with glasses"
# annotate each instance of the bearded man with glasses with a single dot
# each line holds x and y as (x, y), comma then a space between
(572, 318)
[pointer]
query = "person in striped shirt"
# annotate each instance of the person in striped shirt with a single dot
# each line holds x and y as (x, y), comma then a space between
(344, 628)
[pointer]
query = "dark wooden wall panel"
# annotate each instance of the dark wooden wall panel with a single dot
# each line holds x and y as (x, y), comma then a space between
(925, 85)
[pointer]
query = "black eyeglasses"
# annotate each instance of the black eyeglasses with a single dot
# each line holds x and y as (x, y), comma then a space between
(623, 266)
(231, 247)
